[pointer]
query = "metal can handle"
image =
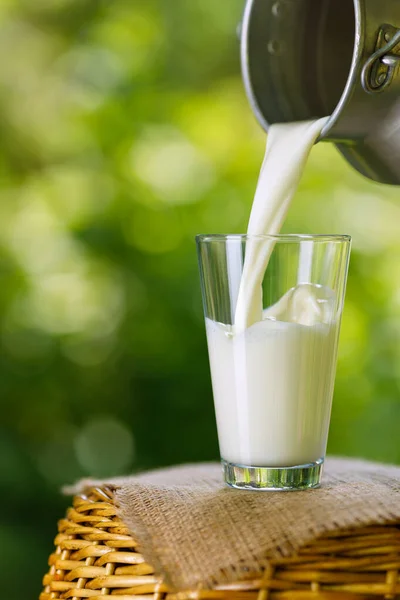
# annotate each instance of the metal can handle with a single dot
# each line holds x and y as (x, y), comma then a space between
(373, 81)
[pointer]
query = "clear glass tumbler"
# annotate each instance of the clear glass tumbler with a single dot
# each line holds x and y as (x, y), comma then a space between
(273, 307)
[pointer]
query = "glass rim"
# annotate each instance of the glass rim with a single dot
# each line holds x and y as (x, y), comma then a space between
(280, 237)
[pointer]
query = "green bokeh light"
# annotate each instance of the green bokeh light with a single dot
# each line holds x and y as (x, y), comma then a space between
(124, 132)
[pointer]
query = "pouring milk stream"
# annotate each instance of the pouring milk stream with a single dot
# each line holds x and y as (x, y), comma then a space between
(272, 370)
(288, 147)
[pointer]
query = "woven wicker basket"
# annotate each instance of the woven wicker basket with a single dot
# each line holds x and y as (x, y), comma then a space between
(97, 558)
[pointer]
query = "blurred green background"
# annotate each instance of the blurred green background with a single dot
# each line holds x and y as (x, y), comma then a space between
(124, 131)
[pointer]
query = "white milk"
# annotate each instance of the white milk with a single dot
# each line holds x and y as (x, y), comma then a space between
(273, 383)
(273, 371)
(287, 150)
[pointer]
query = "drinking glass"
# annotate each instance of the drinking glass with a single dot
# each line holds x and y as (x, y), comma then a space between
(273, 307)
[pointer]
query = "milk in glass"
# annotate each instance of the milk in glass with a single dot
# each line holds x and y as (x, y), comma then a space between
(273, 369)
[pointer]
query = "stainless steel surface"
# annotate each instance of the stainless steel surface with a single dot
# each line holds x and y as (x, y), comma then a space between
(304, 59)
(390, 59)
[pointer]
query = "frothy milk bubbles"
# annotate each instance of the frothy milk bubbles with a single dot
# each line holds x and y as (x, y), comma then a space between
(272, 370)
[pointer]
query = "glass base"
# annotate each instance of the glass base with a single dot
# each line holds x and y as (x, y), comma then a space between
(300, 477)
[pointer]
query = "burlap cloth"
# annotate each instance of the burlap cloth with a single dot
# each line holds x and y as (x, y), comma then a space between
(195, 531)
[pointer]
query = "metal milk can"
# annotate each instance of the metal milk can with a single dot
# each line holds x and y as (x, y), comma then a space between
(304, 59)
